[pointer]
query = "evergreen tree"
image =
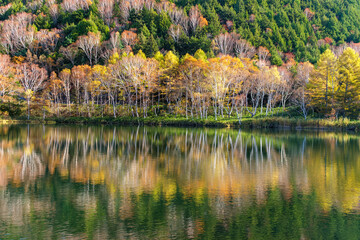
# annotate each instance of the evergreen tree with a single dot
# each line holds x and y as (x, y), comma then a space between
(151, 46)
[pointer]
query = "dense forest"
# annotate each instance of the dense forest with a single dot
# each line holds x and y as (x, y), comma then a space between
(190, 58)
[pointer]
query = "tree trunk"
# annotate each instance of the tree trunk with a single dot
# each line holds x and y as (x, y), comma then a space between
(28, 109)
(114, 108)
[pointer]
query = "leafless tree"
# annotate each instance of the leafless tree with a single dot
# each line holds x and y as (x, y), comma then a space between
(355, 46)
(194, 17)
(301, 80)
(286, 86)
(34, 5)
(54, 12)
(3, 9)
(73, 5)
(106, 10)
(263, 54)
(129, 38)
(69, 53)
(48, 39)
(175, 32)
(177, 16)
(17, 33)
(338, 50)
(243, 49)
(90, 44)
(225, 43)
(65, 77)
(115, 41)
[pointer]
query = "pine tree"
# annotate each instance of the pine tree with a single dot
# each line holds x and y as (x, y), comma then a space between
(151, 47)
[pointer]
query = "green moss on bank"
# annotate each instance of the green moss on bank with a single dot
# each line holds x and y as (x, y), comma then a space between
(270, 122)
(246, 123)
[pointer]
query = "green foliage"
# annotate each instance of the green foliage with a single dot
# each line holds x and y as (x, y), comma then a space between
(275, 58)
(151, 46)
(281, 26)
(86, 26)
(13, 109)
(200, 54)
(42, 22)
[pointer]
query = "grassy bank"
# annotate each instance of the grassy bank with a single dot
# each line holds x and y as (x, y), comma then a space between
(248, 123)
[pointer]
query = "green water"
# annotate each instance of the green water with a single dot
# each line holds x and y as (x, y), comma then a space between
(105, 182)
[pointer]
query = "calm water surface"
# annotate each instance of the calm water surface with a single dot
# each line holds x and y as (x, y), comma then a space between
(88, 182)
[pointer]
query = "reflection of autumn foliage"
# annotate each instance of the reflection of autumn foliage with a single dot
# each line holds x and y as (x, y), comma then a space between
(20, 164)
(176, 179)
(223, 163)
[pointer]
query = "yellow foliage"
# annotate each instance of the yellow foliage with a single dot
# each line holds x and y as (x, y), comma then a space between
(114, 58)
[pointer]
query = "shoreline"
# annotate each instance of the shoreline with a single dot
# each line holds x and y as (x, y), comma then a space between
(246, 123)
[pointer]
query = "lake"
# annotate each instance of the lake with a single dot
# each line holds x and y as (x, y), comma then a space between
(106, 182)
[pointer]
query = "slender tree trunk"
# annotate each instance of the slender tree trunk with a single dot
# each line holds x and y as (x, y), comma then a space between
(186, 105)
(136, 102)
(28, 109)
(114, 107)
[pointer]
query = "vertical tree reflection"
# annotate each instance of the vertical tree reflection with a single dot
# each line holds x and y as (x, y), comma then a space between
(136, 182)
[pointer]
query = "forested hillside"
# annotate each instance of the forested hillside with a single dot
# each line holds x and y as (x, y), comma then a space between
(191, 58)
(304, 28)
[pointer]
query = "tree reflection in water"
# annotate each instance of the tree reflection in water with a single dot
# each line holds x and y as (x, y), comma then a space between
(139, 182)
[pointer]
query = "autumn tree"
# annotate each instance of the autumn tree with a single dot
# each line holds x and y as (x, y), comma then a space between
(301, 99)
(7, 82)
(90, 45)
(286, 85)
(323, 82)
(115, 41)
(175, 32)
(243, 49)
(129, 39)
(272, 79)
(106, 10)
(263, 54)
(17, 32)
(73, 5)
(169, 66)
(70, 53)
(225, 43)
(348, 87)
(109, 83)
(79, 76)
(31, 77)
(252, 89)
(54, 90)
(177, 16)
(127, 72)
(48, 39)
(8, 86)
(65, 77)
(194, 84)
(223, 72)
(150, 83)
(54, 12)
(195, 19)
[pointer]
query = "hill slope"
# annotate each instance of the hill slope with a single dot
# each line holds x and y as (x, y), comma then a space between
(288, 28)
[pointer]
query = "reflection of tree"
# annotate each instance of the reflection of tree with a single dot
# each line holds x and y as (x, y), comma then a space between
(114, 182)
(225, 163)
(30, 165)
